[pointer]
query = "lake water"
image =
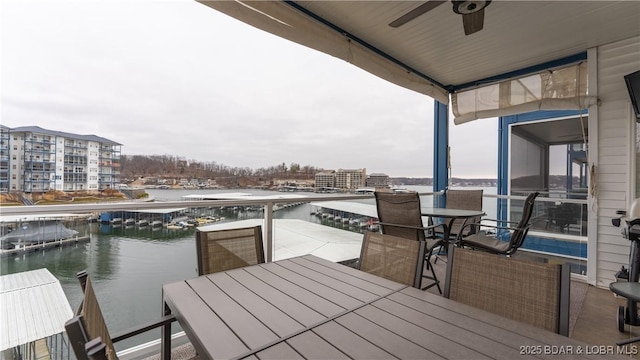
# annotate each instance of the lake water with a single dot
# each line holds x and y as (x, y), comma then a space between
(129, 266)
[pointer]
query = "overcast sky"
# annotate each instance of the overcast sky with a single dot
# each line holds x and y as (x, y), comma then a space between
(177, 77)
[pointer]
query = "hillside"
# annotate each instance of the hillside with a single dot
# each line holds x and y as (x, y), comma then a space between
(170, 170)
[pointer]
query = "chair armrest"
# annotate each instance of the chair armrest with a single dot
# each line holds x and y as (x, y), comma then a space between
(502, 221)
(165, 320)
(498, 227)
(96, 349)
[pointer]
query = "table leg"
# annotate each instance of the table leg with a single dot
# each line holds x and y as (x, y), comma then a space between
(447, 283)
(165, 341)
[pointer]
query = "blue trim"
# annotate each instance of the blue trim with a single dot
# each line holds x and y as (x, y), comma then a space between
(538, 115)
(550, 245)
(503, 167)
(440, 149)
(529, 70)
(503, 148)
(556, 246)
(503, 155)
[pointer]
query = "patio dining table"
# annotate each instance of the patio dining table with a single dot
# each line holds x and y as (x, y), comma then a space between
(307, 307)
(452, 215)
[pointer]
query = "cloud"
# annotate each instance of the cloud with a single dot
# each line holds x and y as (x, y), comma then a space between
(176, 77)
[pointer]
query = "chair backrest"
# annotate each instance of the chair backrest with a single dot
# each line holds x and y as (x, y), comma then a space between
(401, 209)
(88, 323)
(518, 235)
(394, 258)
(464, 200)
(530, 292)
(220, 250)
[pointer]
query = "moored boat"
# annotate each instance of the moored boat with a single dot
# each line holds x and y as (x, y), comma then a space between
(36, 232)
(156, 223)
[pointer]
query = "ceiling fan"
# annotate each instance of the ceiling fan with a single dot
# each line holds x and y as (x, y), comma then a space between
(472, 13)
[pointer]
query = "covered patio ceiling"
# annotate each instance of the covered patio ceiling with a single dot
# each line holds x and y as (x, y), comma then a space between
(560, 132)
(431, 53)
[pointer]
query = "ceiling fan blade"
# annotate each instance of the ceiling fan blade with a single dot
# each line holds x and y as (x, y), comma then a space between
(424, 8)
(473, 22)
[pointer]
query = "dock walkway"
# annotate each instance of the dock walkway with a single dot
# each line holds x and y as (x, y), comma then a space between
(45, 245)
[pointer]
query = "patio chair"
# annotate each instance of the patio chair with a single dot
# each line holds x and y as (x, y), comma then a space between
(220, 250)
(394, 258)
(463, 200)
(400, 215)
(629, 290)
(491, 243)
(87, 330)
(560, 217)
(535, 293)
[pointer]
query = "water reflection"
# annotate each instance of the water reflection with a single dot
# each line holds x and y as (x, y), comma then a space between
(129, 265)
(128, 270)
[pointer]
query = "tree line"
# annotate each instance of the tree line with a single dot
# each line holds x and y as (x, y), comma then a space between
(170, 166)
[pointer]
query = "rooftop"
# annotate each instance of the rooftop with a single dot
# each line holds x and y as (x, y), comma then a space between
(32, 306)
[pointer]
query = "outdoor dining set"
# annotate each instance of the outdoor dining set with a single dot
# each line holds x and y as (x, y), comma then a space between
(491, 303)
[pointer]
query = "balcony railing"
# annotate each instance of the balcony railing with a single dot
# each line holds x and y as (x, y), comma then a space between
(559, 225)
(546, 224)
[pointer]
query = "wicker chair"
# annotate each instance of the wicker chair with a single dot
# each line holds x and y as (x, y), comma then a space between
(394, 258)
(400, 215)
(221, 250)
(483, 241)
(87, 330)
(530, 292)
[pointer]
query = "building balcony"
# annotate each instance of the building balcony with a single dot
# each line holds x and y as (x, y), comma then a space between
(286, 234)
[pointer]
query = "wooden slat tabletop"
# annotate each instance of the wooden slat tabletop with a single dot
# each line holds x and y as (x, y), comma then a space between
(310, 308)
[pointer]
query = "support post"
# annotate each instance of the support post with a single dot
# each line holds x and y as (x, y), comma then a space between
(268, 229)
(440, 150)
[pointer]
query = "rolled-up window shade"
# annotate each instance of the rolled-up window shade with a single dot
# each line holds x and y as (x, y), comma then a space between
(556, 89)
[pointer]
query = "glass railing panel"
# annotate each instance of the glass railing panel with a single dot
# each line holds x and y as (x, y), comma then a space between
(327, 227)
(559, 226)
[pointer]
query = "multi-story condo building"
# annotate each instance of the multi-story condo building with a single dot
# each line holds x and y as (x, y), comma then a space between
(378, 180)
(341, 179)
(4, 158)
(351, 179)
(42, 160)
(325, 180)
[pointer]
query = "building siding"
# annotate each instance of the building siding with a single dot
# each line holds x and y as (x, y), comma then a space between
(614, 174)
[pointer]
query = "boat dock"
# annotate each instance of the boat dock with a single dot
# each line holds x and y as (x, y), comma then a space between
(44, 245)
(34, 309)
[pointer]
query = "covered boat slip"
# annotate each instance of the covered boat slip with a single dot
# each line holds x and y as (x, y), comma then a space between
(241, 196)
(348, 207)
(32, 307)
(161, 216)
(10, 222)
(35, 232)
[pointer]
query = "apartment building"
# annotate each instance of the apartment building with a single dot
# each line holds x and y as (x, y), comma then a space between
(341, 179)
(4, 158)
(39, 160)
(350, 179)
(325, 180)
(377, 180)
